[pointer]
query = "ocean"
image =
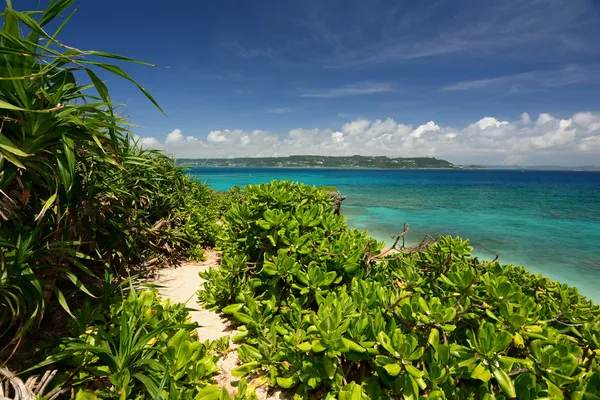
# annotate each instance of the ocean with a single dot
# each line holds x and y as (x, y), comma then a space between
(547, 221)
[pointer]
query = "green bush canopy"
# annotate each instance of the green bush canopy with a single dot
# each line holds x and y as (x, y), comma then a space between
(322, 311)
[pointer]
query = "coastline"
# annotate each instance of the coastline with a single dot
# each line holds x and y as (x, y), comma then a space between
(509, 212)
(325, 168)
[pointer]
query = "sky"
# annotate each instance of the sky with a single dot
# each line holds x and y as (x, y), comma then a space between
(470, 81)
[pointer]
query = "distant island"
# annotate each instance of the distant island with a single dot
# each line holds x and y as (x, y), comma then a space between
(321, 162)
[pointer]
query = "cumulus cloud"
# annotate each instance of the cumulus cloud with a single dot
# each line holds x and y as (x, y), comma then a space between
(150, 142)
(174, 136)
(543, 140)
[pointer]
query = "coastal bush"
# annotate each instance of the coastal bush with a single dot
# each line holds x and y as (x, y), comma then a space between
(143, 348)
(321, 310)
(77, 195)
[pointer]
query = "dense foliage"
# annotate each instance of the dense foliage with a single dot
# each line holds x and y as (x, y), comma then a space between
(142, 349)
(77, 195)
(321, 162)
(322, 311)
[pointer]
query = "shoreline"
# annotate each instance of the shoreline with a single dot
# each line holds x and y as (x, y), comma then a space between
(327, 168)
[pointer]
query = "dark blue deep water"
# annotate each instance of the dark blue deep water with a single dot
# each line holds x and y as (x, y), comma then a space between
(548, 221)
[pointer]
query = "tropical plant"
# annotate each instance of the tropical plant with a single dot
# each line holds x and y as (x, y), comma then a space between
(320, 309)
(77, 194)
(145, 349)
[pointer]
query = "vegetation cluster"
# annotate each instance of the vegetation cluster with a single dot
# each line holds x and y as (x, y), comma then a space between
(84, 211)
(323, 311)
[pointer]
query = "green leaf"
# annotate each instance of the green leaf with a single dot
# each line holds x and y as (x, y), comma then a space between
(100, 86)
(243, 318)
(211, 392)
(304, 346)
(85, 395)
(77, 282)
(149, 384)
(245, 369)
(54, 10)
(554, 392)
(481, 372)
(516, 320)
(411, 388)
(504, 381)
(353, 346)
(414, 371)
(118, 71)
(393, 369)
(286, 383)
(232, 308)
(317, 346)
(13, 160)
(330, 365)
(7, 106)
(62, 301)
(385, 341)
(47, 205)
(434, 338)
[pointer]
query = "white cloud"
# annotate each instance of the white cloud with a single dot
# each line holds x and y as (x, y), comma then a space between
(546, 139)
(174, 136)
(428, 127)
(337, 137)
(219, 136)
(355, 89)
(588, 122)
(490, 122)
(150, 143)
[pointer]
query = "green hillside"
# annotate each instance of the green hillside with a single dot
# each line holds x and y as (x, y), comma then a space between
(319, 162)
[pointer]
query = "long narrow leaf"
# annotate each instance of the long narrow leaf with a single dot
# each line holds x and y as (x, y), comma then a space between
(118, 71)
(62, 301)
(47, 205)
(7, 145)
(54, 10)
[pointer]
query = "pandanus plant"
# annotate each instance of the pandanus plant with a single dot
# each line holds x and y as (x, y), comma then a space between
(57, 125)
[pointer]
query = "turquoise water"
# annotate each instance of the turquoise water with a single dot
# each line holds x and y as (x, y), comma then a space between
(548, 221)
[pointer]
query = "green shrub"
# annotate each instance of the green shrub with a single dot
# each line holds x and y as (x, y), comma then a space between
(321, 311)
(145, 348)
(142, 348)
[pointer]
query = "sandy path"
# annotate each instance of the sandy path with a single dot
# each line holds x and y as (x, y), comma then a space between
(180, 285)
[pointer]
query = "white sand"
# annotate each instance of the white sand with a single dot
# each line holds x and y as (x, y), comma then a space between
(180, 285)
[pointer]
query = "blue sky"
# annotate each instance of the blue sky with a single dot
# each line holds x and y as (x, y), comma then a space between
(254, 72)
